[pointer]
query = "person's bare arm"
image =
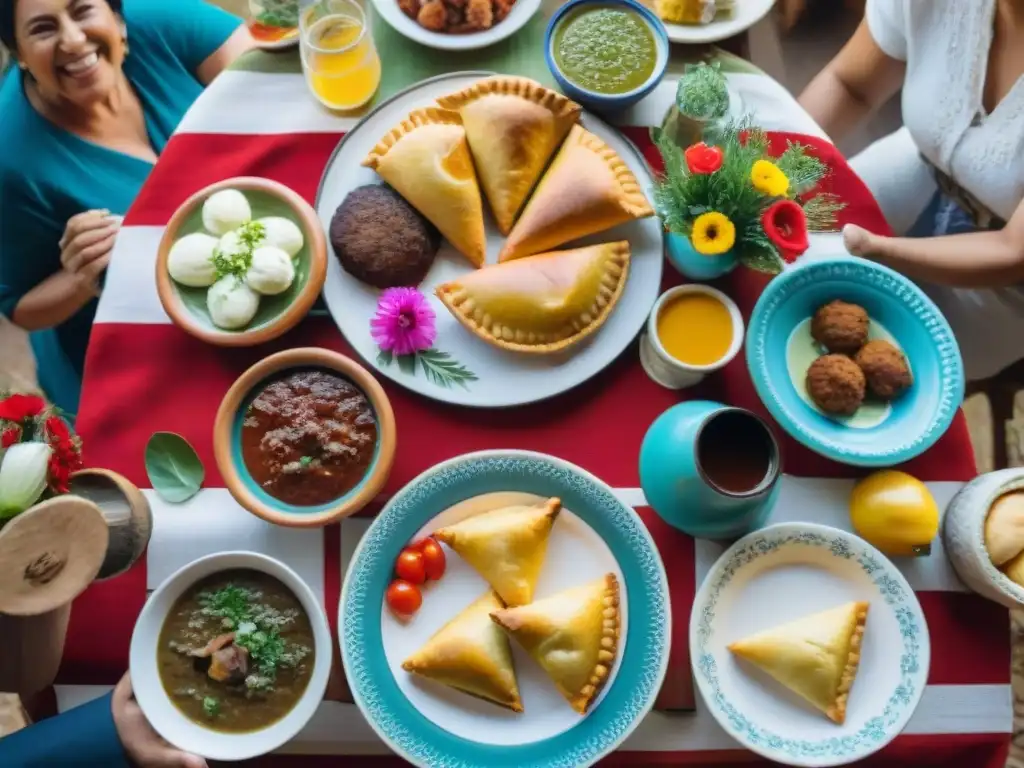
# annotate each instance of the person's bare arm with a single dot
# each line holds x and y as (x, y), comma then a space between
(860, 79)
(239, 42)
(53, 301)
(975, 260)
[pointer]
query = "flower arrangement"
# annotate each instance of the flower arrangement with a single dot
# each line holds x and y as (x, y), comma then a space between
(404, 327)
(729, 195)
(38, 453)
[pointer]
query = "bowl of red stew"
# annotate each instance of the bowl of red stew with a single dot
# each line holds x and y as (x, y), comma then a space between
(304, 438)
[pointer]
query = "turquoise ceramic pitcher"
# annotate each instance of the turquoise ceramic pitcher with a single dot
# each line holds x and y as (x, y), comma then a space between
(710, 470)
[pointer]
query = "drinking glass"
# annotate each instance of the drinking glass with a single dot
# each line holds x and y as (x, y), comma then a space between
(339, 57)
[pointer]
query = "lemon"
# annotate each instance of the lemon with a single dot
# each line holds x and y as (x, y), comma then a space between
(895, 512)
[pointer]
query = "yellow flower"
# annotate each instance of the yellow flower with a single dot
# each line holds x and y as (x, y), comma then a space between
(713, 234)
(767, 178)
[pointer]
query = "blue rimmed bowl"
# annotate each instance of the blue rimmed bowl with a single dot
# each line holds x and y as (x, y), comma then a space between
(640, 668)
(227, 438)
(595, 100)
(903, 314)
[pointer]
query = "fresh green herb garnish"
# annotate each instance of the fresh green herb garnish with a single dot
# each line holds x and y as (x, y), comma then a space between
(305, 461)
(265, 649)
(250, 236)
(230, 604)
(211, 706)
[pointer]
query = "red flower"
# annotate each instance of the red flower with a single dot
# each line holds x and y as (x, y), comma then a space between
(21, 407)
(702, 159)
(57, 429)
(786, 226)
(10, 437)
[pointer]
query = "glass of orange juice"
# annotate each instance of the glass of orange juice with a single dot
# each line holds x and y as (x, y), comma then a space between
(339, 56)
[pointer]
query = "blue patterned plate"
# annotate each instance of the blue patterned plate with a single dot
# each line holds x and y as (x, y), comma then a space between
(779, 350)
(783, 573)
(430, 725)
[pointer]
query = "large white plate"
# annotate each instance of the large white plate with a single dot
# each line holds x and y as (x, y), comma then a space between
(576, 555)
(505, 378)
(521, 13)
(748, 13)
(785, 572)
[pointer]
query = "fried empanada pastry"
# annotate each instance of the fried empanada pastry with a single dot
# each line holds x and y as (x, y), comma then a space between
(471, 654)
(587, 189)
(514, 126)
(426, 159)
(506, 546)
(816, 657)
(573, 635)
(544, 303)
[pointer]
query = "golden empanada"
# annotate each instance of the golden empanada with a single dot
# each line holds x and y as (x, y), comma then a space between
(514, 125)
(506, 546)
(816, 657)
(587, 189)
(543, 303)
(471, 654)
(573, 635)
(426, 159)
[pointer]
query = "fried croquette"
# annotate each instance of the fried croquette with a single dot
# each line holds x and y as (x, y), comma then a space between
(836, 384)
(885, 368)
(381, 239)
(840, 327)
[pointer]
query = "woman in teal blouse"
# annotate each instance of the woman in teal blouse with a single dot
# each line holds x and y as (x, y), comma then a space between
(98, 88)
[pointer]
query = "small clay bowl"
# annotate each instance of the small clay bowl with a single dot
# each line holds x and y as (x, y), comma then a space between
(128, 516)
(276, 314)
(227, 439)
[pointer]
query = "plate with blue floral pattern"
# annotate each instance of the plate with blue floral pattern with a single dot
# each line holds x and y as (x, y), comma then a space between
(780, 350)
(595, 533)
(785, 572)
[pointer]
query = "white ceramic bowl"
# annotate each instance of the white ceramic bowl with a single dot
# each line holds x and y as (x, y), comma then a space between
(160, 711)
(521, 13)
(665, 369)
(963, 531)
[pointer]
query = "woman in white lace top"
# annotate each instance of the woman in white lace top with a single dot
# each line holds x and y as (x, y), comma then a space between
(952, 180)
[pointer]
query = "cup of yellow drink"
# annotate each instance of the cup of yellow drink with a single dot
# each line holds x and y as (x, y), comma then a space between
(339, 57)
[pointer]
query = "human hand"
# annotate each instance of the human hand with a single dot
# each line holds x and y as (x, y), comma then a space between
(87, 244)
(141, 743)
(859, 242)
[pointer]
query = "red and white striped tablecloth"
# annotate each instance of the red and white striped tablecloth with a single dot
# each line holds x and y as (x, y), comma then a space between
(145, 375)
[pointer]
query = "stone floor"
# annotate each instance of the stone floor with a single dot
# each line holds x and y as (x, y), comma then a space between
(793, 59)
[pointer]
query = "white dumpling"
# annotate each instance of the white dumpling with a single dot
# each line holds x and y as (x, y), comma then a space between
(231, 244)
(272, 271)
(190, 260)
(282, 233)
(232, 303)
(226, 210)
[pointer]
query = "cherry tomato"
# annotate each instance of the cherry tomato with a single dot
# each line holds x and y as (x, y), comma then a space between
(411, 566)
(433, 559)
(404, 598)
(420, 543)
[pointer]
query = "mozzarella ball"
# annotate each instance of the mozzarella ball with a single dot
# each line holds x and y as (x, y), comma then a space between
(283, 233)
(272, 271)
(232, 303)
(190, 261)
(226, 210)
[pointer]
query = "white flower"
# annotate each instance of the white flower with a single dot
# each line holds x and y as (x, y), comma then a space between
(23, 474)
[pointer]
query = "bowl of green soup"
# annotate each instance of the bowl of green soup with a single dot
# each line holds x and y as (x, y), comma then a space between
(606, 54)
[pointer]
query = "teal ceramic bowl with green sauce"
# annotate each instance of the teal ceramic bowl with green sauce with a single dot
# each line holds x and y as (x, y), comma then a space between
(187, 307)
(241, 480)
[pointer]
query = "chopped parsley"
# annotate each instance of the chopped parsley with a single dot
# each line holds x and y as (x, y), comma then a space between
(257, 629)
(250, 235)
(211, 707)
(305, 461)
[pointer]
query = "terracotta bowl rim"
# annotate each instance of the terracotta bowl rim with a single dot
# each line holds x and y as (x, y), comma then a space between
(307, 219)
(223, 427)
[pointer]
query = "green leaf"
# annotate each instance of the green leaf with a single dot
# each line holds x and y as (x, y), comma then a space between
(384, 357)
(407, 364)
(174, 469)
(444, 370)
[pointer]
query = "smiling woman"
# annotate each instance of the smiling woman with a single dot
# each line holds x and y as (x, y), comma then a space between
(98, 88)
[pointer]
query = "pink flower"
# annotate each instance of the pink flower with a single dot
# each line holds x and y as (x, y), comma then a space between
(404, 323)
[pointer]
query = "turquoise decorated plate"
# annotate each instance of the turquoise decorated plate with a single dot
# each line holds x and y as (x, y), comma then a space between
(432, 725)
(780, 350)
(783, 573)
